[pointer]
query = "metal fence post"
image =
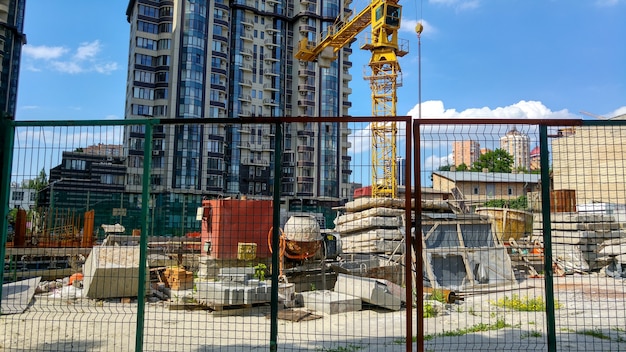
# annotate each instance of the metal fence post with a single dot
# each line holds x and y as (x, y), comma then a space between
(276, 237)
(7, 132)
(143, 242)
(547, 237)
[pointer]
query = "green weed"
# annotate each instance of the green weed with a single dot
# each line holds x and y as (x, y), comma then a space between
(523, 304)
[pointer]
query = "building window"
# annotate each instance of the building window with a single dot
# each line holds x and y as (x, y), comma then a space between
(18, 195)
(510, 191)
(476, 190)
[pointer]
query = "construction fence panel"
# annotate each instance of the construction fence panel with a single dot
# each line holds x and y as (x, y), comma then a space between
(531, 250)
(114, 246)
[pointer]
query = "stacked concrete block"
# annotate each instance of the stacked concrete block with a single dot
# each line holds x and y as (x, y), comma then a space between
(112, 271)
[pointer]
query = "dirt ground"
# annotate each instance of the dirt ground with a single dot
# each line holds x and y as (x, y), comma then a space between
(591, 317)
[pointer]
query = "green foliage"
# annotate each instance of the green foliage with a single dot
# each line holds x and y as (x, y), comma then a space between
(523, 304)
(348, 348)
(259, 271)
(499, 324)
(429, 311)
(498, 160)
(520, 202)
(38, 183)
(597, 333)
(462, 167)
(438, 295)
(444, 168)
(532, 333)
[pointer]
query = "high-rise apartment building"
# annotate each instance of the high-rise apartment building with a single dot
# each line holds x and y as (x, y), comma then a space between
(517, 144)
(11, 40)
(233, 59)
(465, 152)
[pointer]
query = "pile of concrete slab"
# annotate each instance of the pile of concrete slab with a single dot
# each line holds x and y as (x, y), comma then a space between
(582, 242)
(372, 225)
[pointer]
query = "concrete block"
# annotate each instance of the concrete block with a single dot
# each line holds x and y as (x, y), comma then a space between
(112, 272)
(373, 291)
(230, 294)
(236, 274)
(331, 302)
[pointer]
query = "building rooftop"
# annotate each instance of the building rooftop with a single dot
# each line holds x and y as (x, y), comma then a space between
(465, 176)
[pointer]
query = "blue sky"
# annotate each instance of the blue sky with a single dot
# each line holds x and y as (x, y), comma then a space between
(480, 58)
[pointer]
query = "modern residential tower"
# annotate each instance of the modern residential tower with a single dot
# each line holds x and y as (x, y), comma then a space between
(233, 59)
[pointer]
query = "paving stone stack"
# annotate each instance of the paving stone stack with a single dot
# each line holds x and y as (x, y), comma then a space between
(577, 237)
(372, 225)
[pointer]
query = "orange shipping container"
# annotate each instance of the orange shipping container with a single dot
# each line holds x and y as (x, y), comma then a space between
(228, 222)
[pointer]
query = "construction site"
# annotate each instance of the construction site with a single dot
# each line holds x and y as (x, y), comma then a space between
(360, 245)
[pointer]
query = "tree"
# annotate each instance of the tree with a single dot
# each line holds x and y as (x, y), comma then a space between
(38, 183)
(498, 160)
(462, 167)
(444, 168)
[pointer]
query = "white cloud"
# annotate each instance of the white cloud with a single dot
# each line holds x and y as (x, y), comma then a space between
(608, 3)
(43, 52)
(618, 112)
(435, 109)
(87, 50)
(84, 59)
(433, 162)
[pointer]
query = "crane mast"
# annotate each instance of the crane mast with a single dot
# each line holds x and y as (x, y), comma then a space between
(385, 77)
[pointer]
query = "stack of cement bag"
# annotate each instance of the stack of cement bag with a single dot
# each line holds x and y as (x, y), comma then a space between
(372, 225)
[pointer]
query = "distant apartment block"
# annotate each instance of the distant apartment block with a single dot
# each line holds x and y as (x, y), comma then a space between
(465, 152)
(535, 159)
(517, 144)
(11, 40)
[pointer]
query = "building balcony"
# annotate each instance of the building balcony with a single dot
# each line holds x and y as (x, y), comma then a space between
(247, 53)
(270, 72)
(270, 43)
(303, 72)
(245, 83)
(246, 67)
(245, 98)
(256, 162)
(270, 60)
(305, 102)
(302, 163)
(244, 113)
(247, 37)
(270, 102)
(247, 20)
(306, 87)
(268, 86)
(270, 27)
(305, 148)
(304, 179)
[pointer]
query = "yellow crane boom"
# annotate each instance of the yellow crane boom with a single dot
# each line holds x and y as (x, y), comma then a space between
(385, 77)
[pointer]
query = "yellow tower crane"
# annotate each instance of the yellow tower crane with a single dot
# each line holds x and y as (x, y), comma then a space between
(385, 77)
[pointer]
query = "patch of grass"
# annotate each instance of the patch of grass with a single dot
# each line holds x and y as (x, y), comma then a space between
(618, 329)
(499, 324)
(472, 312)
(532, 333)
(438, 295)
(531, 323)
(348, 348)
(523, 304)
(429, 311)
(597, 333)
(459, 309)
